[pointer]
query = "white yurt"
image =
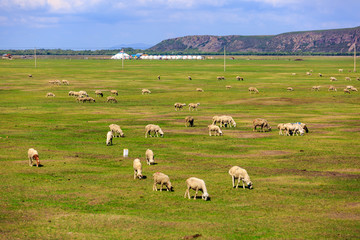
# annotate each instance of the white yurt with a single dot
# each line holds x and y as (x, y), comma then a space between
(121, 55)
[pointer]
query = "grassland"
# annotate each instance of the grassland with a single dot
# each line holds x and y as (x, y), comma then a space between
(304, 187)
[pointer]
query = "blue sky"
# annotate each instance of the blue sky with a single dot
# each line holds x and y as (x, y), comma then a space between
(101, 24)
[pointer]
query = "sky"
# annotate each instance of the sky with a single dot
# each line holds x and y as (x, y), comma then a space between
(102, 24)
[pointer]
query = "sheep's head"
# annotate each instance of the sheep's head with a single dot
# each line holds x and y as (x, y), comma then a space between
(220, 132)
(250, 185)
(302, 131)
(161, 133)
(36, 157)
(169, 187)
(122, 134)
(139, 175)
(205, 196)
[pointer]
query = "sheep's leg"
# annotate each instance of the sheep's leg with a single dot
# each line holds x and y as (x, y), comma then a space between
(187, 193)
(146, 133)
(134, 174)
(30, 162)
(196, 191)
(243, 184)
(237, 185)
(154, 187)
(161, 187)
(210, 133)
(233, 181)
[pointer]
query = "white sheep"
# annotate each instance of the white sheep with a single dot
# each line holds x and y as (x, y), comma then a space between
(332, 79)
(196, 184)
(158, 77)
(199, 90)
(115, 92)
(227, 121)
(240, 174)
(220, 78)
(332, 88)
(293, 74)
(228, 86)
(84, 93)
(347, 79)
(145, 91)
(149, 154)
(290, 89)
(239, 78)
(293, 128)
(354, 89)
(111, 99)
(262, 123)
(193, 106)
(162, 179)
(179, 106)
(216, 129)
(320, 75)
(189, 77)
(315, 88)
(308, 73)
(153, 128)
(33, 155)
(346, 90)
(116, 130)
(281, 128)
(71, 93)
(137, 169)
(50, 94)
(341, 70)
(109, 137)
(99, 93)
(253, 90)
(189, 121)
(65, 82)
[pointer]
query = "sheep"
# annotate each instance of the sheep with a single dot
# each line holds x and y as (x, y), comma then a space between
(189, 121)
(145, 91)
(315, 88)
(320, 75)
(116, 130)
(55, 82)
(216, 119)
(220, 78)
(196, 184)
(65, 82)
(358, 78)
(71, 93)
(99, 93)
(290, 89)
(346, 90)
(281, 127)
(137, 169)
(29, 75)
(199, 90)
(240, 174)
(114, 92)
(33, 155)
(50, 94)
(347, 79)
(332, 88)
(193, 106)
(158, 77)
(228, 86)
(262, 123)
(111, 99)
(239, 78)
(162, 179)
(227, 121)
(189, 77)
(153, 128)
(341, 70)
(83, 93)
(349, 87)
(109, 138)
(216, 129)
(179, 106)
(253, 89)
(293, 74)
(308, 73)
(332, 79)
(149, 154)
(353, 89)
(293, 128)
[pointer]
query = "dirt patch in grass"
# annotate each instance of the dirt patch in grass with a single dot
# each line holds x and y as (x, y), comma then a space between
(345, 216)
(351, 130)
(238, 134)
(267, 153)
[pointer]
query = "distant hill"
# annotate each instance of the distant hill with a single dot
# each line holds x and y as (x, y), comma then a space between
(327, 41)
(134, 46)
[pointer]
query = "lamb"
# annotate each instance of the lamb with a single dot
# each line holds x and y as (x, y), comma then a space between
(109, 137)
(50, 94)
(228, 86)
(199, 90)
(239, 78)
(137, 169)
(99, 93)
(346, 90)
(189, 78)
(111, 99)
(315, 88)
(216, 129)
(116, 130)
(149, 154)
(281, 127)
(145, 91)
(65, 82)
(179, 106)
(341, 70)
(196, 184)
(262, 123)
(347, 79)
(162, 179)
(332, 88)
(290, 89)
(253, 89)
(293, 128)
(33, 155)
(240, 174)
(332, 79)
(114, 92)
(153, 128)
(189, 121)
(193, 106)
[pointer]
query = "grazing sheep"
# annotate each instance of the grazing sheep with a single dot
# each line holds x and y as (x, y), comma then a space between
(308, 73)
(240, 174)
(216, 119)
(114, 92)
(332, 79)
(65, 82)
(162, 179)
(137, 169)
(253, 89)
(349, 87)
(281, 127)
(353, 89)
(89, 99)
(239, 78)
(189, 121)
(303, 125)
(293, 128)
(341, 70)
(153, 128)
(262, 123)
(199, 90)
(189, 78)
(332, 88)
(228, 86)
(216, 129)
(116, 130)
(179, 106)
(158, 77)
(320, 75)
(50, 94)
(227, 121)
(196, 184)
(293, 74)
(84, 93)
(33, 155)
(71, 93)
(111, 99)
(99, 93)
(347, 79)
(149, 154)
(290, 89)
(220, 78)
(29, 75)
(315, 88)
(109, 137)
(193, 106)
(346, 90)
(145, 91)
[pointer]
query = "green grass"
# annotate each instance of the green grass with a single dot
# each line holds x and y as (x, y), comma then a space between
(304, 187)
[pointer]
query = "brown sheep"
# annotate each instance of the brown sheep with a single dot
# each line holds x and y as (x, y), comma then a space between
(262, 123)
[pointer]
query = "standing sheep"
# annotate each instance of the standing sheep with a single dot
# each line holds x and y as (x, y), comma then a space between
(99, 93)
(158, 77)
(262, 123)
(114, 92)
(162, 179)
(196, 184)
(65, 82)
(50, 94)
(111, 99)
(116, 130)
(293, 128)
(33, 155)
(145, 91)
(228, 86)
(220, 78)
(290, 89)
(332, 88)
(149, 154)
(341, 70)
(179, 106)
(109, 137)
(199, 90)
(216, 129)
(153, 128)
(189, 121)
(315, 88)
(137, 169)
(353, 89)
(347, 79)
(239, 78)
(346, 90)
(240, 174)
(253, 90)
(332, 79)
(193, 106)
(281, 128)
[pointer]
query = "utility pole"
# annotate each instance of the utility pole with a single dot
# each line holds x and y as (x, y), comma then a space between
(224, 60)
(35, 55)
(355, 57)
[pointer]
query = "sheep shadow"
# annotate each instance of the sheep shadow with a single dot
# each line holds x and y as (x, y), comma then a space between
(40, 165)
